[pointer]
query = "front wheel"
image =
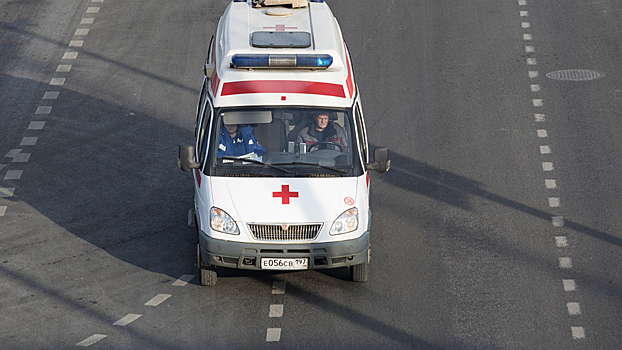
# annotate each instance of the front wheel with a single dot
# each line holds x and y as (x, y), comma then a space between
(208, 271)
(359, 272)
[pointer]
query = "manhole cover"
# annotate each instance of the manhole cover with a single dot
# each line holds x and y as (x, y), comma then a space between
(575, 74)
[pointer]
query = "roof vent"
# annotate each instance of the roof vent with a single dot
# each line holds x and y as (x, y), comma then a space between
(293, 3)
(279, 12)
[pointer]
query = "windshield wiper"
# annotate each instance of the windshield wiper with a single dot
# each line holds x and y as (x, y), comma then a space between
(316, 164)
(255, 161)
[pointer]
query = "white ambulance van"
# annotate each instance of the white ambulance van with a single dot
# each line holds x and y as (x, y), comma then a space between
(281, 161)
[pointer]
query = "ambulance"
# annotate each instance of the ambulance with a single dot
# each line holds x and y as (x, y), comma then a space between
(280, 162)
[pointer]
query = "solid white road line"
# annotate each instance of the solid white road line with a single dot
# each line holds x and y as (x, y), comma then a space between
(92, 340)
(155, 301)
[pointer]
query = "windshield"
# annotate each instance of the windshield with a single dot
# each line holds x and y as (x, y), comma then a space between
(283, 142)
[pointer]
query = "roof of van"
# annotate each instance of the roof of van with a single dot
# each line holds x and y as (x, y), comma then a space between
(333, 86)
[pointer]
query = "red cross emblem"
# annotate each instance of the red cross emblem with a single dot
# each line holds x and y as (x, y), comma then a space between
(284, 194)
(280, 27)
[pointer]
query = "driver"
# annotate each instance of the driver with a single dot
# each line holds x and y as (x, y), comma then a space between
(237, 141)
(321, 129)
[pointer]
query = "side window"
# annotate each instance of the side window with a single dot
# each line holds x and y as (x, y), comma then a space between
(360, 131)
(200, 107)
(203, 132)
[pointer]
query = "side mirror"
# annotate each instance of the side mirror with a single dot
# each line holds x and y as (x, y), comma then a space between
(381, 163)
(208, 69)
(185, 162)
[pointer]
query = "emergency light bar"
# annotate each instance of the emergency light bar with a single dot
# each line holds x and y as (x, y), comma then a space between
(281, 61)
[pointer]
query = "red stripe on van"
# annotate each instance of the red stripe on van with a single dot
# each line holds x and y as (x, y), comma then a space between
(282, 86)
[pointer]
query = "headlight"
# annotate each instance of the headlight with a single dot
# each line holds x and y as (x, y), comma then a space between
(221, 221)
(346, 222)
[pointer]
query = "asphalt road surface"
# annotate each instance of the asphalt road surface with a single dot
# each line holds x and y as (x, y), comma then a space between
(498, 226)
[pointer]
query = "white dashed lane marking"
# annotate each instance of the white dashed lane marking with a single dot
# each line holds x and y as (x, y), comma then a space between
(561, 241)
(554, 202)
(126, 320)
(57, 81)
(276, 310)
(92, 340)
(542, 133)
(573, 308)
(569, 285)
(92, 10)
(565, 263)
(63, 68)
(70, 55)
(50, 95)
(157, 300)
(13, 174)
(577, 332)
(533, 74)
(29, 141)
(558, 221)
(44, 110)
(81, 32)
(21, 158)
(3, 210)
(550, 184)
(38, 125)
(7, 192)
(89, 20)
(273, 334)
(76, 43)
(183, 280)
(12, 153)
(278, 287)
(545, 150)
(547, 166)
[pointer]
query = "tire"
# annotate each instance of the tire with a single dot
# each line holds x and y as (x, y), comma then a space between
(208, 271)
(359, 272)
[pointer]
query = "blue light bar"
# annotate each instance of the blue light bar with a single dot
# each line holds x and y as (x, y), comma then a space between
(281, 61)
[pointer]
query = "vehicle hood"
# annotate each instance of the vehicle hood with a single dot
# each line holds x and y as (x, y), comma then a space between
(258, 199)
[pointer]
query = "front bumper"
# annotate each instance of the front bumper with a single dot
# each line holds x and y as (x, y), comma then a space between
(248, 256)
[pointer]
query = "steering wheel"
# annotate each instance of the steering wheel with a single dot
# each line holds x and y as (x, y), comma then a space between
(341, 149)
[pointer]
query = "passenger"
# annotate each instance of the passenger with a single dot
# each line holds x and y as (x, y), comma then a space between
(322, 129)
(237, 141)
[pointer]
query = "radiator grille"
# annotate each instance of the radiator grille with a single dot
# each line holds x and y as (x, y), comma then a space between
(285, 232)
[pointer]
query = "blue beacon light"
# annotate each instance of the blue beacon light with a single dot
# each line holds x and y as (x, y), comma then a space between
(281, 61)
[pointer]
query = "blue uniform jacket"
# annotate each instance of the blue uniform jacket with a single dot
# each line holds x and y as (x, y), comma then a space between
(243, 143)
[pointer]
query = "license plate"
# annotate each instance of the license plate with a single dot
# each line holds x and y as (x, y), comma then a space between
(284, 264)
